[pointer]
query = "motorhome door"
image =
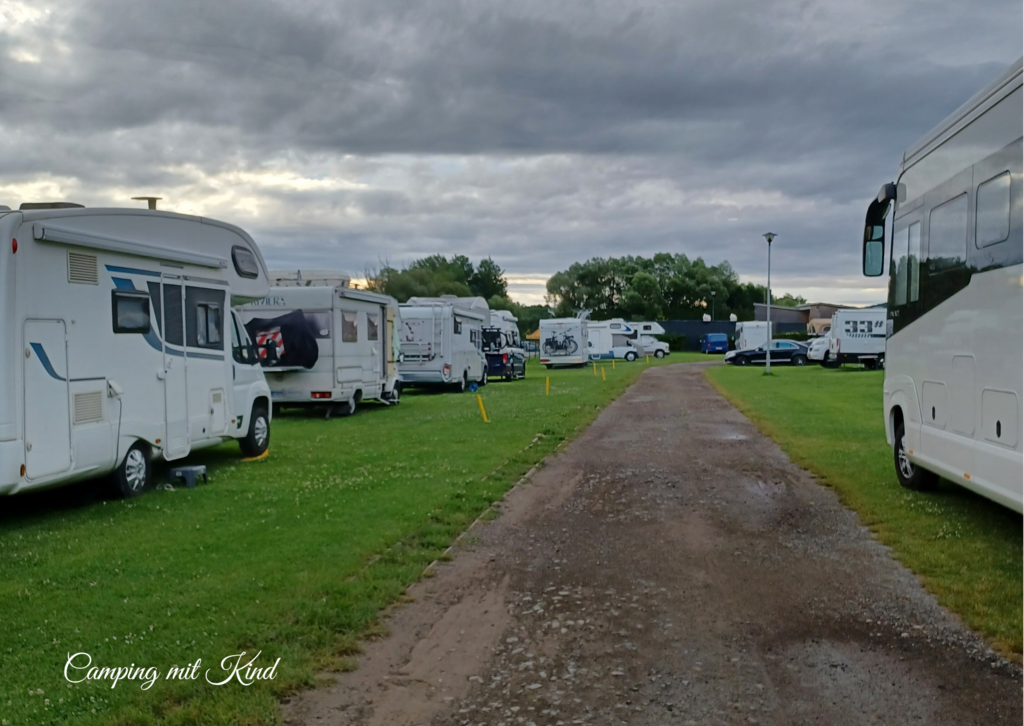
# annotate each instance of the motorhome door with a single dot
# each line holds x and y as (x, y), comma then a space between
(47, 412)
(175, 374)
(390, 364)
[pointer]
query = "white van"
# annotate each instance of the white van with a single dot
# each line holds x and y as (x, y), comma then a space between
(857, 336)
(564, 342)
(121, 344)
(751, 334)
(506, 358)
(322, 344)
(441, 341)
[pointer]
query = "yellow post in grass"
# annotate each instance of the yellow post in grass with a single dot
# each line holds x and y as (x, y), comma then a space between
(483, 413)
(648, 358)
(595, 369)
(547, 386)
(602, 374)
(613, 364)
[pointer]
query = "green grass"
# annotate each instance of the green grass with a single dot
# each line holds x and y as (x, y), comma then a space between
(294, 555)
(966, 549)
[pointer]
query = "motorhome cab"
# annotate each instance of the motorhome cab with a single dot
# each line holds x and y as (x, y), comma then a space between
(501, 345)
(953, 357)
(564, 342)
(121, 344)
(323, 343)
(857, 335)
(441, 341)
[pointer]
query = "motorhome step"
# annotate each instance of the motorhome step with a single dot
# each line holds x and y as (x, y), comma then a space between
(189, 474)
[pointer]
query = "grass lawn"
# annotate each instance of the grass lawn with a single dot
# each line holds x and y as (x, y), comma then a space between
(966, 549)
(294, 555)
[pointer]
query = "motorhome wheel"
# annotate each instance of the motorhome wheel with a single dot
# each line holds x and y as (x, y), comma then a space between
(910, 475)
(631, 356)
(132, 476)
(659, 354)
(258, 438)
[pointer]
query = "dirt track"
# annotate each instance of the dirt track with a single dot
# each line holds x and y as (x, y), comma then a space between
(670, 566)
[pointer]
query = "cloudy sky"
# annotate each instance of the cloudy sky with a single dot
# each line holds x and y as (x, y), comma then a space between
(539, 133)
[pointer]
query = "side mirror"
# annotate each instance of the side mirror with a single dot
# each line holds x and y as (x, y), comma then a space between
(873, 259)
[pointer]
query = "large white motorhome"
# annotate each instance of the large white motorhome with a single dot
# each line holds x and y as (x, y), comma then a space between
(564, 341)
(501, 345)
(857, 335)
(953, 358)
(607, 339)
(323, 343)
(441, 341)
(121, 344)
(751, 334)
(645, 342)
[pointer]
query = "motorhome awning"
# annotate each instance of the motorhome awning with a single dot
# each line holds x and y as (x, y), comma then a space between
(45, 232)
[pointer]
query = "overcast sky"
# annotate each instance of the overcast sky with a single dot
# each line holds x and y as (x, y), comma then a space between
(539, 133)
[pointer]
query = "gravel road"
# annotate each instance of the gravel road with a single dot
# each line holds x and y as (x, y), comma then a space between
(670, 566)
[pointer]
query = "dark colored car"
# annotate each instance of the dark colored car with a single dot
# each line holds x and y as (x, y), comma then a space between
(714, 343)
(502, 361)
(783, 351)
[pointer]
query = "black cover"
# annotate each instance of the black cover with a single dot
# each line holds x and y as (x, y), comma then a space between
(287, 341)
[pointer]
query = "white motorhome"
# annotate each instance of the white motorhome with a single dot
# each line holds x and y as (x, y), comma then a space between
(564, 342)
(503, 349)
(953, 359)
(325, 344)
(857, 335)
(751, 334)
(441, 341)
(646, 343)
(616, 338)
(121, 344)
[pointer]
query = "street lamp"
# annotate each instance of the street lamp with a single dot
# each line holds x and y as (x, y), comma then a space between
(713, 305)
(768, 346)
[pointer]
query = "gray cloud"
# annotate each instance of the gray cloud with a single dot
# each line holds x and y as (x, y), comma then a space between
(539, 133)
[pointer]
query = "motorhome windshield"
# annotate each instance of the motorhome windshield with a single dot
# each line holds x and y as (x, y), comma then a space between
(492, 340)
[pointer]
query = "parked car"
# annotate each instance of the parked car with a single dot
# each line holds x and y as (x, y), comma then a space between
(783, 351)
(817, 349)
(714, 343)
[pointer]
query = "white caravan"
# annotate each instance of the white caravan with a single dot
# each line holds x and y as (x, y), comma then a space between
(324, 344)
(441, 341)
(751, 334)
(953, 357)
(564, 342)
(121, 345)
(857, 335)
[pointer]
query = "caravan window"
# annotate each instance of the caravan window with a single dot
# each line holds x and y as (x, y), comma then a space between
(947, 235)
(458, 326)
(993, 225)
(208, 326)
(349, 328)
(245, 262)
(372, 326)
(131, 311)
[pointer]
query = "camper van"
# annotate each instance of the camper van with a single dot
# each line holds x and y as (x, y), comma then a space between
(505, 355)
(857, 335)
(325, 344)
(751, 334)
(442, 342)
(951, 225)
(121, 345)
(607, 339)
(564, 342)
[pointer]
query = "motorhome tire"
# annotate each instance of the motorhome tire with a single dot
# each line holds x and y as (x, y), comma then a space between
(257, 440)
(132, 476)
(911, 476)
(659, 354)
(483, 379)
(630, 356)
(799, 360)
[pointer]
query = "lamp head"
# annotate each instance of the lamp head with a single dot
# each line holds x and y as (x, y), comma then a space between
(769, 236)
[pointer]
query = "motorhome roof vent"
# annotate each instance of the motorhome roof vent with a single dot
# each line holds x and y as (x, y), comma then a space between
(83, 269)
(28, 206)
(88, 407)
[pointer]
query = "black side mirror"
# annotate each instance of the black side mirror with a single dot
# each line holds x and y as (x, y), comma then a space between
(873, 259)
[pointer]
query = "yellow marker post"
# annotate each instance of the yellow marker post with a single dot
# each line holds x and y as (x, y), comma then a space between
(602, 374)
(613, 364)
(595, 369)
(547, 386)
(648, 358)
(483, 413)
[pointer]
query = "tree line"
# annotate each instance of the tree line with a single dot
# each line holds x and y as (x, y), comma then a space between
(662, 287)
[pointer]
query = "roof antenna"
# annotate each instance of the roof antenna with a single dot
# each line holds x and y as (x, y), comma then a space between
(151, 201)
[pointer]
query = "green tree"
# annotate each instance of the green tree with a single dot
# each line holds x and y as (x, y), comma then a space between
(488, 280)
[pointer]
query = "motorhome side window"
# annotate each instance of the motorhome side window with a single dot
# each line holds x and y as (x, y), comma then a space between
(906, 264)
(349, 328)
(204, 321)
(993, 225)
(372, 326)
(245, 262)
(947, 235)
(208, 326)
(241, 349)
(130, 311)
(458, 326)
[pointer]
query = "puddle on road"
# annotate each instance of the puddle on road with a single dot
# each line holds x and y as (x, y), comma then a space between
(735, 437)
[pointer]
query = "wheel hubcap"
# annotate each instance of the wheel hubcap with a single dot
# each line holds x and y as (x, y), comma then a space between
(135, 470)
(906, 468)
(260, 431)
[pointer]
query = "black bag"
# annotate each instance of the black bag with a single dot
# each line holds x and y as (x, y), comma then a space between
(286, 341)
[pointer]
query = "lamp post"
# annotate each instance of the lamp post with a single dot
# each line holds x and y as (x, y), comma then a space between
(768, 346)
(713, 305)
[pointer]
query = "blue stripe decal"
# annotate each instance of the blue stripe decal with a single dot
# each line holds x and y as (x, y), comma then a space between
(45, 360)
(121, 283)
(131, 271)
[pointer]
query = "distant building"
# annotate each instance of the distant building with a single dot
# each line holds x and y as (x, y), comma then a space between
(801, 314)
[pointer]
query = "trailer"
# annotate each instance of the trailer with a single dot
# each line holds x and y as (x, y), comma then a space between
(121, 344)
(857, 336)
(506, 358)
(564, 342)
(441, 341)
(325, 344)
